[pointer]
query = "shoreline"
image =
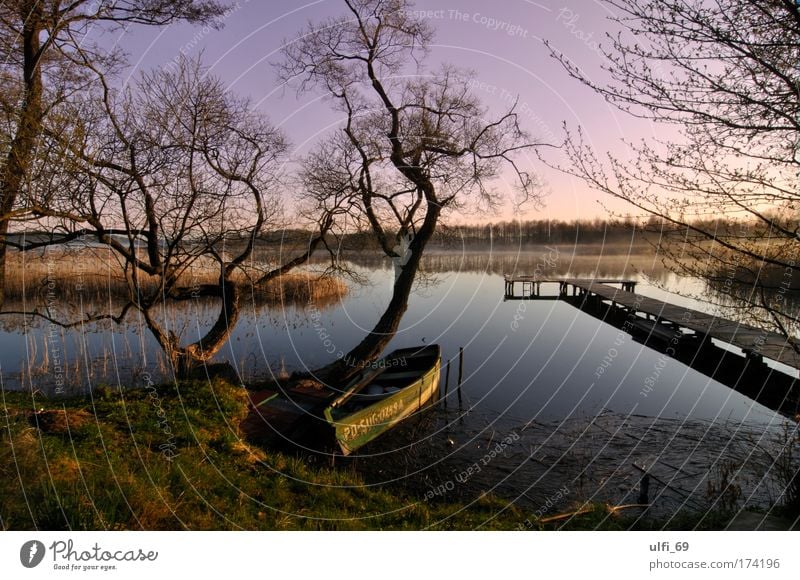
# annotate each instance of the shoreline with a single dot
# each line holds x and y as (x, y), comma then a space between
(99, 463)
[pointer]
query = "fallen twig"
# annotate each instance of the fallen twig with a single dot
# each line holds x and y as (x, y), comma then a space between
(565, 516)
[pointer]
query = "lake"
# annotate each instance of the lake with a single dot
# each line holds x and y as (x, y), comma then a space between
(556, 406)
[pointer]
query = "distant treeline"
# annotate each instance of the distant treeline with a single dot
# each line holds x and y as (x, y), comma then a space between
(515, 233)
(499, 234)
(538, 232)
(598, 231)
(493, 234)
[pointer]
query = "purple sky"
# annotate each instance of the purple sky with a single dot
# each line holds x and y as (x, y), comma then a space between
(501, 41)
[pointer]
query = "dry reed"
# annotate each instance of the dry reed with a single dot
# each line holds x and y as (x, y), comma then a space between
(92, 275)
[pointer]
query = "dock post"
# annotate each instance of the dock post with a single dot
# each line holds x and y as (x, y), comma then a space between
(447, 381)
(753, 357)
(460, 372)
(644, 489)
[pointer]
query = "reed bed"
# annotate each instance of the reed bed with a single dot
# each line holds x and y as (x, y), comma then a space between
(92, 275)
(70, 286)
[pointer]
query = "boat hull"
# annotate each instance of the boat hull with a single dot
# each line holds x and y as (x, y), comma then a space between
(356, 429)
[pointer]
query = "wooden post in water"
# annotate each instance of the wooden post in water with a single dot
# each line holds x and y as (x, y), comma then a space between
(460, 371)
(644, 489)
(447, 381)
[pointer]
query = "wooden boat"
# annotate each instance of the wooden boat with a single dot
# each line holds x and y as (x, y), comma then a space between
(405, 380)
(279, 417)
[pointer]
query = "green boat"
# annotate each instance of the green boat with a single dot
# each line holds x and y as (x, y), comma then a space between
(399, 384)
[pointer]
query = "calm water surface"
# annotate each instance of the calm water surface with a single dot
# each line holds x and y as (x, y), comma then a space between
(554, 407)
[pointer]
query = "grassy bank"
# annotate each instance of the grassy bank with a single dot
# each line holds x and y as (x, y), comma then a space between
(172, 458)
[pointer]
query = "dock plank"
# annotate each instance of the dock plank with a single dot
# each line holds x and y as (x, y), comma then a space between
(750, 339)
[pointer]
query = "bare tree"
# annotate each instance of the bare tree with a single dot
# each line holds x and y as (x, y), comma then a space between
(724, 77)
(37, 38)
(414, 143)
(176, 177)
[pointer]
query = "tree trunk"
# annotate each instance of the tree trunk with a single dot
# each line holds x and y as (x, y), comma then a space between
(186, 360)
(3, 253)
(373, 345)
(28, 130)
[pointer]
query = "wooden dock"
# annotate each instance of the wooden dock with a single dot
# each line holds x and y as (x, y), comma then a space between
(531, 287)
(663, 318)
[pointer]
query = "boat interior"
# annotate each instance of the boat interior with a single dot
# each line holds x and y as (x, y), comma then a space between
(402, 368)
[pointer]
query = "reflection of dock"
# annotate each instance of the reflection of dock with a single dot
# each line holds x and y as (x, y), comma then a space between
(659, 320)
